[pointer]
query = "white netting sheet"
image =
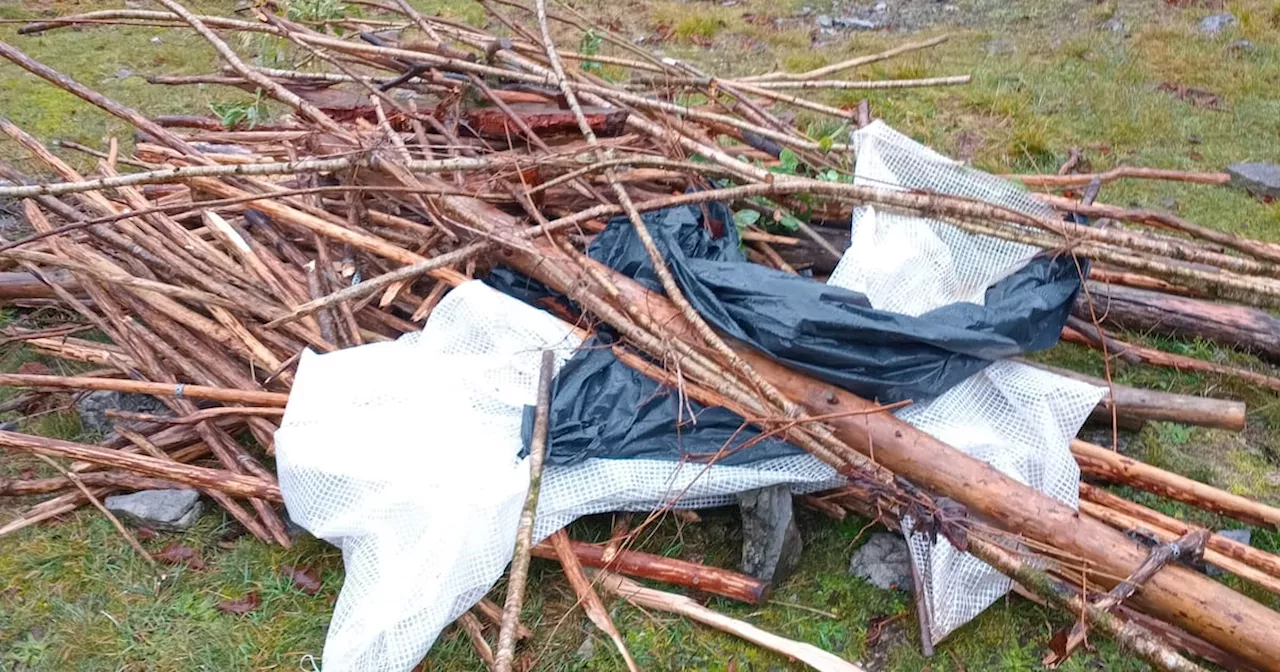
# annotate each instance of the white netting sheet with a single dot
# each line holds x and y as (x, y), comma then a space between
(404, 455)
(910, 264)
(1017, 418)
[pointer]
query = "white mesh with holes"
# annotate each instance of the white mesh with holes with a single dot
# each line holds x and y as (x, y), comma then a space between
(1017, 418)
(404, 455)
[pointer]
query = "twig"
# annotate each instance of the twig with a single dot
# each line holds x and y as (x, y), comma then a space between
(110, 516)
(524, 533)
(587, 596)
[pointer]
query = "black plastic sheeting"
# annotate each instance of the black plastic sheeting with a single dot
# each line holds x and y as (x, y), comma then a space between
(602, 408)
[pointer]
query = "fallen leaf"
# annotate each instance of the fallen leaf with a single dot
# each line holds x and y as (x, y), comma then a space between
(146, 533)
(27, 474)
(178, 554)
(34, 369)
(241, 606)
(1197, 97)
(304, 579)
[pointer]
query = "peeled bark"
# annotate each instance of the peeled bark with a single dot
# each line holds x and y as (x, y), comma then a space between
(713, 580)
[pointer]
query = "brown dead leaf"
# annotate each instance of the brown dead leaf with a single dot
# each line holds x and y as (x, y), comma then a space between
(241, 606)
(34, 369)
(27, 474)
(146, 534)
(179, 554)
(1197, 97)
(304, 579)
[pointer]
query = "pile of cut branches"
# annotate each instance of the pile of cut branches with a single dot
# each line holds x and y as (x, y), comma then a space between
(419, 152)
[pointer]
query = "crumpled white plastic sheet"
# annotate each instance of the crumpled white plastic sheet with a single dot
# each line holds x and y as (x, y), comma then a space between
(404, 454)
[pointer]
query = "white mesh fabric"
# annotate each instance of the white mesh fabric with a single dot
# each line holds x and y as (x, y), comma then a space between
(404, 455)
(910, 264)
(1017, 418)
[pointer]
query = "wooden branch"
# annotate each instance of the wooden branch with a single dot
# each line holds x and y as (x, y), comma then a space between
(94, 479)
(1120, 173)
(1128, 634)
(649, 598)
(115, 522)
(1253, 557)
(711, 580)
(225, 395)
(1099, 462)
(237, 485)
(1190, 545)
(1137, 405)
(1176, 362)
(524, 533)
(587, 596)
(1247, 329)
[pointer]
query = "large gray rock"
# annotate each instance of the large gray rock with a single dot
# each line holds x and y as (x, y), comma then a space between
(771, 542)
(167, 510)
(93, 408)
(1214, 23)
(883, 561)
(1259, 179)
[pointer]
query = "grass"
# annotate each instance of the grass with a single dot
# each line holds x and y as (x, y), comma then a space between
(1047, 77)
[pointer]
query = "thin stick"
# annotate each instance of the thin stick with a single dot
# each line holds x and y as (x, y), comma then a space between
(475, 632)
(110, 516)
(649, 598)
(587, 596)
(255, 397)
(851, 63)
(524, 534)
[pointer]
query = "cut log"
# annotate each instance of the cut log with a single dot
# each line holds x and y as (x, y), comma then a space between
(18, 286)
(711, 580)
(1248, 329)
(1136, 405)
(1109, 465)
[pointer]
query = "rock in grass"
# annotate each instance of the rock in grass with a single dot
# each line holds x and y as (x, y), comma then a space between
(1259, 179)
(169, 510)
(770, 539)
(1215, 23)
(883, 561)
(93, 408)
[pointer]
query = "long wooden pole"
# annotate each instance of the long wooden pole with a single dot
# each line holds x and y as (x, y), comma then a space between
(223, 394)
(1100, 462)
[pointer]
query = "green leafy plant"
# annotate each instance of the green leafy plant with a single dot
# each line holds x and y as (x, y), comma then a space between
(590, 45)
(317, 11)
(236, 114)
(26, 652)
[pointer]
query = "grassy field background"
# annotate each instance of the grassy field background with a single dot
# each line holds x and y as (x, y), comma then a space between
(1047, 77)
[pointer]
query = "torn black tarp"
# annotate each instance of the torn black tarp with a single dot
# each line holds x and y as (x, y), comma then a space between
(827, 332)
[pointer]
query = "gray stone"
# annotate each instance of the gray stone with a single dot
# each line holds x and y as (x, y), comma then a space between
(1241, 45)
(1214, 23)
(771, 542)
(168, 510)
(850, 23)
(587, 650)
(881, 6)
(1114, 25)
(93, 408)
(125, 73)
(1241, 536)
(883, 561)
(1259, 179)
(155, 40)
(824, 21)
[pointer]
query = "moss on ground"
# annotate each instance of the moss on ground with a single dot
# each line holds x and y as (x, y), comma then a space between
(1047, 77)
